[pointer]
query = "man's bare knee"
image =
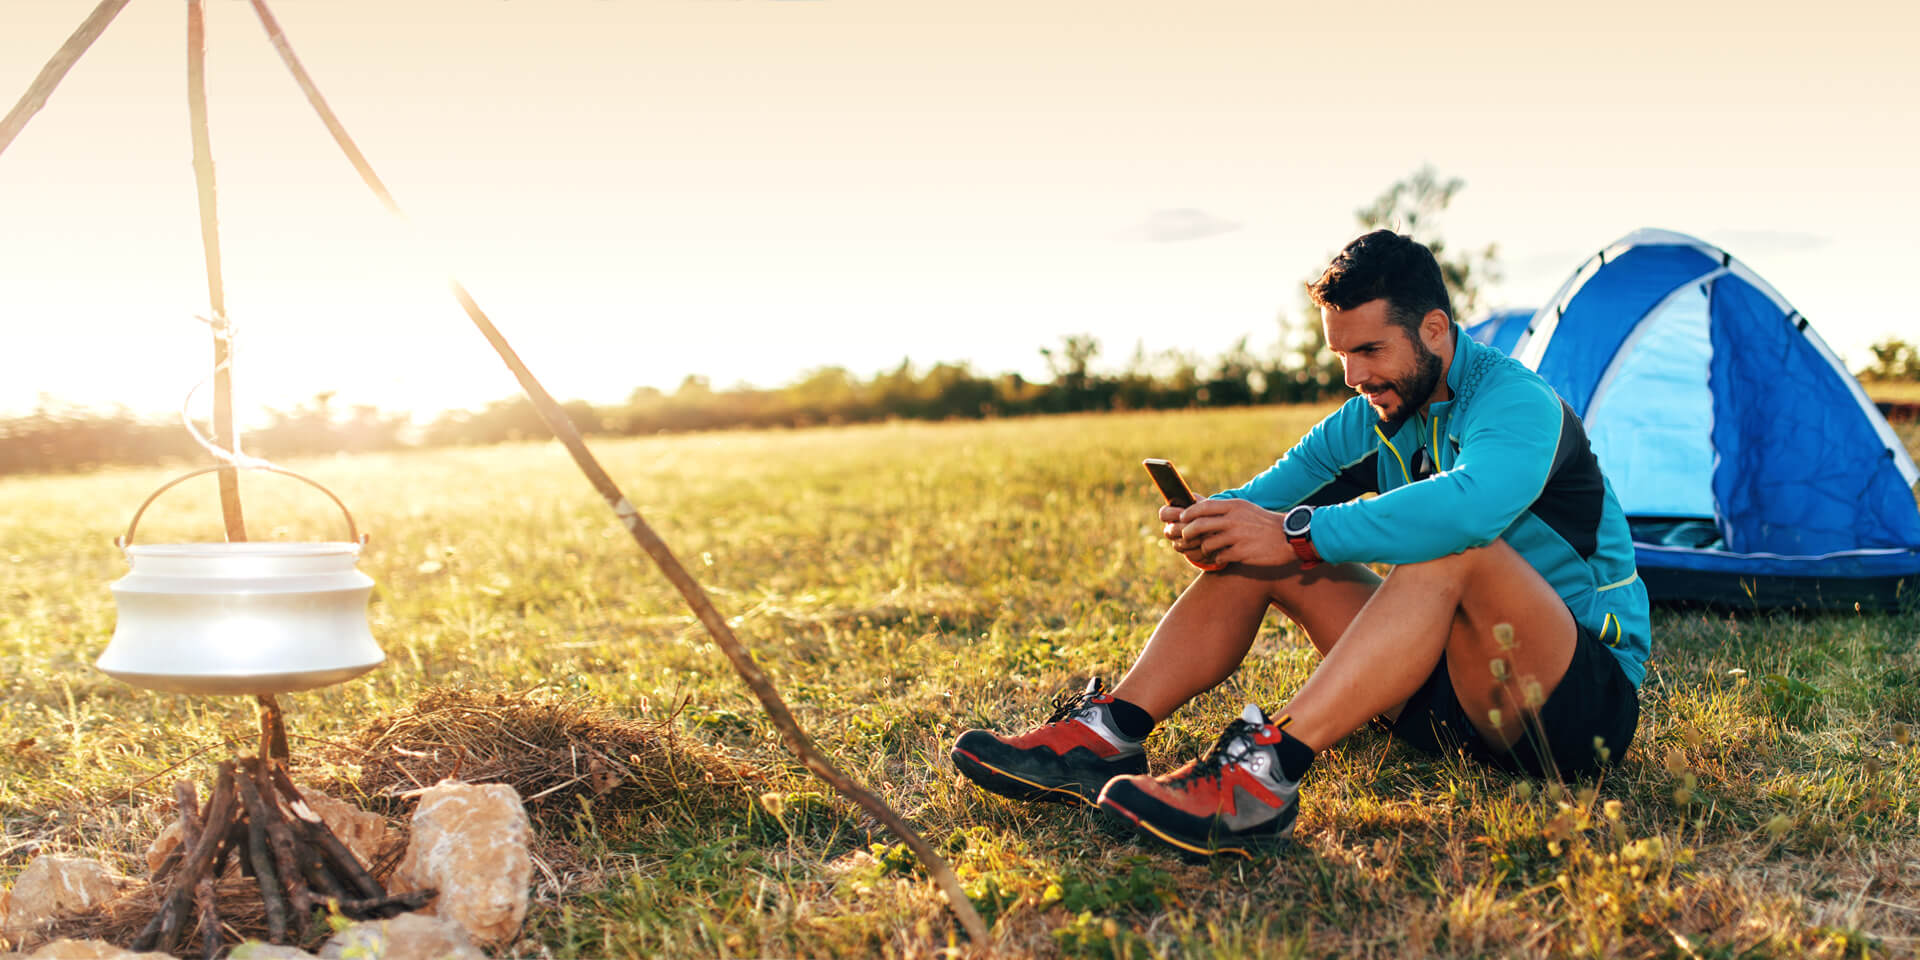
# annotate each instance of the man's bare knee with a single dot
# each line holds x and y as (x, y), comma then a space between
(1451, 574)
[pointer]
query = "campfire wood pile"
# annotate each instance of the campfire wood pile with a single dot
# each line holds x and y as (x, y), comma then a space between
(257, 815)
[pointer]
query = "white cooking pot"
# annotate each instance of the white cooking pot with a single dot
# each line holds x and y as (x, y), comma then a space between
(241, 618)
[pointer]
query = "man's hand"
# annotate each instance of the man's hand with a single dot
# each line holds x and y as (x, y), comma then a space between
(1175, 530)
(1213, 533)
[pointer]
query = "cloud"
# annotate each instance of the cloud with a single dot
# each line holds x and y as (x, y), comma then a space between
(1181, 225)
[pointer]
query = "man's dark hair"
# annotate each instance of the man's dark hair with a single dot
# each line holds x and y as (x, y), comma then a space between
(1388, 265)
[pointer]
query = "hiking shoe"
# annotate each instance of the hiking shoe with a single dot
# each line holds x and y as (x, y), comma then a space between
(1233, 801)
(1066, 760)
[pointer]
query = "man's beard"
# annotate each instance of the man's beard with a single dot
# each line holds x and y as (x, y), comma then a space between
(1414, 389)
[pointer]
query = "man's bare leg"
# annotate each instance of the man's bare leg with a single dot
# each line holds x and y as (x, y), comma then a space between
(1207, 632)
(1422, 610)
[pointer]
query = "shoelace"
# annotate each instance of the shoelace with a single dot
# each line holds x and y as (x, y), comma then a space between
(1223, 752)
(1068, 706)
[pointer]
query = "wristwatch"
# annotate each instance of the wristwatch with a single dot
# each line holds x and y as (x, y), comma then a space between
(1298, 526)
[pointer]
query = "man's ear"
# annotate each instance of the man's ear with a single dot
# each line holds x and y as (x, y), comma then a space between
(1436, 329)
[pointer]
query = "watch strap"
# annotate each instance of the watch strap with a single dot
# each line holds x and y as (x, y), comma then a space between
(1303, 548)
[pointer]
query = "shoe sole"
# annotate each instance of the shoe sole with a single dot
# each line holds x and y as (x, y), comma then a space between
(1011, 785)
(1198, 850)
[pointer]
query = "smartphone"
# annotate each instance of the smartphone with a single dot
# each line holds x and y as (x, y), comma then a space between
(1169, 482)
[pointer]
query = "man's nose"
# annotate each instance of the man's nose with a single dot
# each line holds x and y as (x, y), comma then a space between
(1353, 372)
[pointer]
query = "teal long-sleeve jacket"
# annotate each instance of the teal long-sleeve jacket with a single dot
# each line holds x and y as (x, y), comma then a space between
(1503, 458)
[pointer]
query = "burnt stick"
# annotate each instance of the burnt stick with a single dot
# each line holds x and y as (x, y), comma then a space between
(330, 846)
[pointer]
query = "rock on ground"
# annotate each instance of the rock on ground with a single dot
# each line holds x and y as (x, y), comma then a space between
(255, 950)
(90, 950)
(364, 832)
(409, 936)
(470, 843)
(54, 886)
(162, 845)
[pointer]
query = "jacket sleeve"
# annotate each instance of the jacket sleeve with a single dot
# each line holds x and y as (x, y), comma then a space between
(1333, 445)
(1507, 449)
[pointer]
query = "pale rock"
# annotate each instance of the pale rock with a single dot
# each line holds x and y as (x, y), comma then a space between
(469, 842)
(90, 950)
(162, 845)
(365, 833)
(255, 950)
(409, 936)
(168, 840)
(54, 886)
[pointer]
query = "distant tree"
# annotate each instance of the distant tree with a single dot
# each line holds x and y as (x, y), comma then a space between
(1237, 378)
(1411, 206)
(1071, 362)
(1073, 381)
(1893, 359)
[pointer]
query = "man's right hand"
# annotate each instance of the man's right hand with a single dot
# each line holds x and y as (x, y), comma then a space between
(1174, 530)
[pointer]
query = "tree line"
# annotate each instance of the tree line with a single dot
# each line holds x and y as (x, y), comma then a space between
(57, 438)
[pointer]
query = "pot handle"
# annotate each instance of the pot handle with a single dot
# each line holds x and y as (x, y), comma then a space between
(353, 529)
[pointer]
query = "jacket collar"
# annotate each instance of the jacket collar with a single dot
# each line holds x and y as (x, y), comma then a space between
(1466, 352)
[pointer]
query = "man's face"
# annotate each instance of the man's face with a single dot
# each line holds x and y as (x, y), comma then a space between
(1391, 368)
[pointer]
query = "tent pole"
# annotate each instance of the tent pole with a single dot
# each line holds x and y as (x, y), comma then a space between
(56, 69)
(223, 431)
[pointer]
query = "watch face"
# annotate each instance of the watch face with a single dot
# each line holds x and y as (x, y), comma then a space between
(1297, 522)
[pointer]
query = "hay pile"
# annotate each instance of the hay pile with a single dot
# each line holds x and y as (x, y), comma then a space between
(553, 750)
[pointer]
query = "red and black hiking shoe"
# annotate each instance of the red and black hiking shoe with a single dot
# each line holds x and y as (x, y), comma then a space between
(1066, 760)
(1233, 801)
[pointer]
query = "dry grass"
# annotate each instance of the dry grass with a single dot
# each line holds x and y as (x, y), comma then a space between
(901, 583)
(242, 917)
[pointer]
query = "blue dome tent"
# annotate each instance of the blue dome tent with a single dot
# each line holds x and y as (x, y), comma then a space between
(1752, 467)
(1501, 328)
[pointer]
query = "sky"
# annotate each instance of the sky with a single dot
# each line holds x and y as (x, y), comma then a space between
(639, 190)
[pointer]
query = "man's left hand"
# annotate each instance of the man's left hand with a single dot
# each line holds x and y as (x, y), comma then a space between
(1235, 531)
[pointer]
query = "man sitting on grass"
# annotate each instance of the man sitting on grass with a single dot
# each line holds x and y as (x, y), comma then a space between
(1513, 627)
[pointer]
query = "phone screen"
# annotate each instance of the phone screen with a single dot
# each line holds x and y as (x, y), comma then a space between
(1169, 482)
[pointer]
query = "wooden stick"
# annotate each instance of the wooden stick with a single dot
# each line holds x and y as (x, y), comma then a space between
(329, 846)
(223, 432)
(209, 917)
(56, 69)
(234, 837)
(273, 728)
(172, 902)
(313, 864)
(314, 867)
(144, 940)
(279, 835)
(562, 426)
(262, 860)
(375, 908)
(186, 799)
(219, 808)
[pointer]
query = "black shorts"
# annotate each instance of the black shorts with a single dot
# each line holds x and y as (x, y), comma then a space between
(1594, 699)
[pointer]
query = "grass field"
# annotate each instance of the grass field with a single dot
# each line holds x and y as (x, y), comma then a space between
(904, 582)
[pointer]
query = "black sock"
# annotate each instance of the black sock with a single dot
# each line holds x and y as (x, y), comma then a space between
(1295, 757)
(1134, 723)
